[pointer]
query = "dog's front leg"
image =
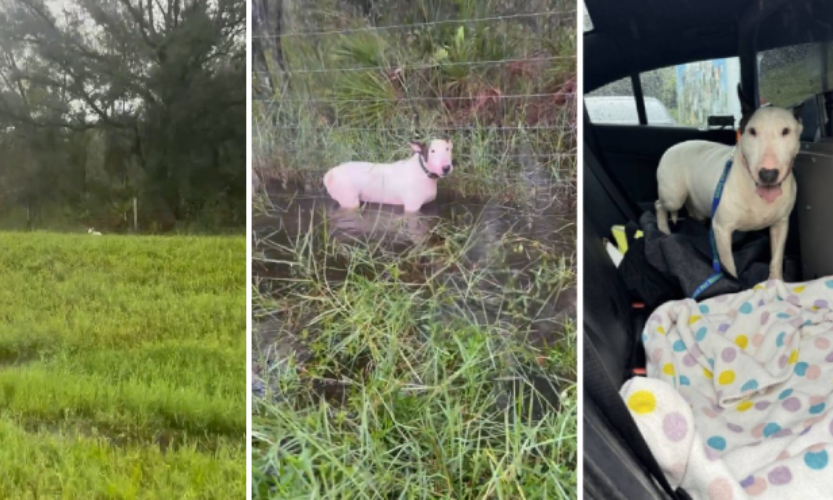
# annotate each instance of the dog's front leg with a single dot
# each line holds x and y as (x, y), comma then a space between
(723, 240)
(778, 241)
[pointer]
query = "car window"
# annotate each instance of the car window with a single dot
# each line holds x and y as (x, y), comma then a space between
(789, 75)
(588, 23)
(613, 104)
(692, 92)
(683, 95)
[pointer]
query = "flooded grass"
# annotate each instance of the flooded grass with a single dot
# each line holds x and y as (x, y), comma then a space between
(121, 372)
(414, 356)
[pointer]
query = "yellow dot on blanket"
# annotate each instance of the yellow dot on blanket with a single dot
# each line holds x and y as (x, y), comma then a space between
(793, 357)
(760, 287)
(668, 369)
(707, 373)
(745, 405)
(726, 377)
(799, 289)
(742, 341)
(694, 319)
(642, 402)
(661, 330)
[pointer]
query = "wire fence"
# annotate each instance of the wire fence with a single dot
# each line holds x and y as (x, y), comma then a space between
(502, 87)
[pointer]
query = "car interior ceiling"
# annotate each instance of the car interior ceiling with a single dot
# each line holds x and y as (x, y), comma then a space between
(628, 38)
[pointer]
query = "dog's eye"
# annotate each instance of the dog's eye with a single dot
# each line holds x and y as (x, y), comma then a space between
(752, 131)
(447, 149)
(785, 132)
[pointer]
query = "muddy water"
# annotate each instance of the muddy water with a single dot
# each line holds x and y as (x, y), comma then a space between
(543, 222)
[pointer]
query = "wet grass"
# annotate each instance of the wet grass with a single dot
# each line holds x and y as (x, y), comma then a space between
(122, 366)
(428, 372)
(503, 91)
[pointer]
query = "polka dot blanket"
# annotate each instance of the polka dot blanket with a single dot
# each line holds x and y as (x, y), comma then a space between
(737, 399)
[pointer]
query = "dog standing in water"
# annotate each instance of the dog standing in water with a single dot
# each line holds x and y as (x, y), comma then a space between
(410, 183)
(760, 189)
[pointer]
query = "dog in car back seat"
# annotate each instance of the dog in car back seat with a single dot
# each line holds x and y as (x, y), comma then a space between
(759, 190)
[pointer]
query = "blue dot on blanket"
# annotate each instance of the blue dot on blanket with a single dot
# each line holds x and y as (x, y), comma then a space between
(829, 283)
(701, 334)
(771, 428)
(679, 346)
(746, 308)
(801, 368)
(816, 461)
(704, 309)
(644, 338)
(684, 380)
(816, 409)
(783, 315)
(711, 362)
(717, 442)
(785, 394)
(779, 340)
(750, 385)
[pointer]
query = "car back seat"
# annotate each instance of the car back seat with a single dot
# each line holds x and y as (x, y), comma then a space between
(613, 446)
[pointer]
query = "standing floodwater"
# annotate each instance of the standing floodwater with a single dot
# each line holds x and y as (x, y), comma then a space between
(428, 354)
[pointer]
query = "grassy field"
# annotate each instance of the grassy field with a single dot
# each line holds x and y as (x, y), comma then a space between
(122, 367)
(418, 374)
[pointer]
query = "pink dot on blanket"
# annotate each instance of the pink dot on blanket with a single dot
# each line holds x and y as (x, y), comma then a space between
(793, 299)
(720, 489)
(689, 360)
(756, 486)
(709, 412)
(758, 431)
(814, 400)
(822, 343)
(818, 447)
(674, 426)
(696, 351)
(783, 455)
(656, 356)
(813, 372)
(757, 340)
(782, 361)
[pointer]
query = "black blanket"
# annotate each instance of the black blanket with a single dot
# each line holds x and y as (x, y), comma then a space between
(664, 267)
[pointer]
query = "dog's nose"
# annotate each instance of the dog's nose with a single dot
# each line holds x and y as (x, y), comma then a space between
(446, 169)
(768, 175)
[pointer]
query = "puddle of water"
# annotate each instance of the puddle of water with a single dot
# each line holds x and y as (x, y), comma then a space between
(507, 241)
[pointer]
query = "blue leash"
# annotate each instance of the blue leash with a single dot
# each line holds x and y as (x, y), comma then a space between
(718, 193)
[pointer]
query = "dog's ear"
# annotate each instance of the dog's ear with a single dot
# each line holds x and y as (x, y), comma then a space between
(797, 112)
(416, 147)
(746, 109)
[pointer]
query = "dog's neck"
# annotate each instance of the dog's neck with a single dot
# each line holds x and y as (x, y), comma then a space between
(431, 175)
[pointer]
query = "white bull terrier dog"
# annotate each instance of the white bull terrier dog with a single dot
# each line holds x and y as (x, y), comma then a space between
(759, 191)
(411, 183)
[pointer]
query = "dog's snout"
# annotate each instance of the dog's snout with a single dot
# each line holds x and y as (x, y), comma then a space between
(768, 175)
(446, 169)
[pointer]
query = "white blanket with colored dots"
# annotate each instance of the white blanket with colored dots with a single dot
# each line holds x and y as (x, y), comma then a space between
(737, 399)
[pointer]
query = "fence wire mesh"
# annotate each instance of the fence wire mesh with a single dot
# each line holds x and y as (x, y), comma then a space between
(501, 84)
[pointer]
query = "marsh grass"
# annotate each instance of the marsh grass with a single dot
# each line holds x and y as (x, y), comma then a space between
(505, 97)
(121, 366)
(413, 373)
